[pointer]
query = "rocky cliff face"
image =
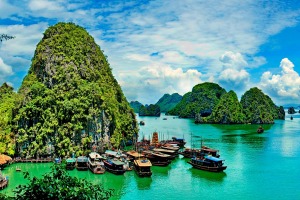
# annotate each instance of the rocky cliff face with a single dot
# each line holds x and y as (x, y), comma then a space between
(135, 105)
(70, 99)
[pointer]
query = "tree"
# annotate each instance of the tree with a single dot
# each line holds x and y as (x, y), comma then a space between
(6, 37)
(58, 184)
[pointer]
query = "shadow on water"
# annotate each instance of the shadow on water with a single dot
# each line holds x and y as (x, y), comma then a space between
(161, 171)
(143, 183)
(210, 176)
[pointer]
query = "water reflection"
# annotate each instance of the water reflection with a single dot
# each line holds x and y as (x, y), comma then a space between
(161, 171)
(143, 183)
(210, 176)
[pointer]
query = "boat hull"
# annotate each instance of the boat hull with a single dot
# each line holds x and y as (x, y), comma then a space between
(207, 168)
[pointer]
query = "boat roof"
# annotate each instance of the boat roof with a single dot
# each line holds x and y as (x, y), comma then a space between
(135, 154)
(143, 163)
(117, 162)
(113, 153)
(204, 148)
(163, 150)
(213, 158)
(157, 153)
(94, 155)
(82, 159)
(70, 160)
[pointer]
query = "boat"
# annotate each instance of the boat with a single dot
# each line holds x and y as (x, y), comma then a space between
(203, 151)
(208, 163)
(142, 123)
(158, 158)
(81, 163)
(291, 117)
(178, 141)
(70, 163)
(57, 160)
(165, 118)
(95, 163)
(3, 181)
(260, 129)
(18, 169)
(114, 166)
(143, 167)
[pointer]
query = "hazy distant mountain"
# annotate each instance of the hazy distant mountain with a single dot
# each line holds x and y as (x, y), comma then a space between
(135, 105)
(167, 102)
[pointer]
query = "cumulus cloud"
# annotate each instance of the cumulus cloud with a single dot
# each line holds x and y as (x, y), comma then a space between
(153, 81)
(5, 69)
(284, 86)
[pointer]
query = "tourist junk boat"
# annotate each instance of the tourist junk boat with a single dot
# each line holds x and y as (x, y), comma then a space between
(95, 163)
(82, 163)
(70, 163)
(114, 166)
(189, 153)
(142, 167)
(208, 163)
(158, 158)
(172, 153)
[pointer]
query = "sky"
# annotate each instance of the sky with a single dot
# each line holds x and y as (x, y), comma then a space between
(168, 46)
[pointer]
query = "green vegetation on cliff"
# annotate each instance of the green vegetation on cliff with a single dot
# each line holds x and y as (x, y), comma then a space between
(259, 108)
(135, 105)
(70, 99)
(228, 110)
(7, 103)
(203, 98)
(167, 102)
(151, 110)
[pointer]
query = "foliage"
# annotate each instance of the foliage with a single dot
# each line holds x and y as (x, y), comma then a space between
(291, 110)
(259, 108)
(151, 110)
(58, 184)
(135, 105)
(5, 37)
(228, 110)
(70, 99)
(167, 102)
(7, 103)
(201, 100)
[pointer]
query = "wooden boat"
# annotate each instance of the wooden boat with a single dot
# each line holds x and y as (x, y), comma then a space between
(142, 123)
(18, 169)
(70, 163)
(260, 129)
(172, 153)
(143, 167)
(158, 158)
(204, 151)
(95, 163)
(208, 163)
(114, 166)
(178, 141)
(81, 163)
(3, 181)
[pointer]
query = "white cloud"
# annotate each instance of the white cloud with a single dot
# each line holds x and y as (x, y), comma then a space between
(153, 81)
(284, 86)
(5, 69)
(43, 5)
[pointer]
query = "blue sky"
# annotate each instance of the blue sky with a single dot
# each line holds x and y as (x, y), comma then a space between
(157, 47)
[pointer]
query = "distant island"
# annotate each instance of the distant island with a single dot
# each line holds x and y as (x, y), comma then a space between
(210, 103)
(164, 104)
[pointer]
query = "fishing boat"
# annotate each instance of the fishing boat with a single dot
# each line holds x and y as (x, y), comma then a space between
(70, 163)
(158, 158)
(260, 129)
(95, 163)
(114, 166)
(143, 167)
(142, 123)
(82, 163)
(208, 163)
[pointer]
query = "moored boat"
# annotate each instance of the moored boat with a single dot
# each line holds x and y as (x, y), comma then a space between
(158, 158)
(114, 166)
(208, 163)
(260, 129)
(70, 163)
(143, 167)
(82, 163)
(95, 163)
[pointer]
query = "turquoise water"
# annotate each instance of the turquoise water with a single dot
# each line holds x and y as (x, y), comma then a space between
(260, 166)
